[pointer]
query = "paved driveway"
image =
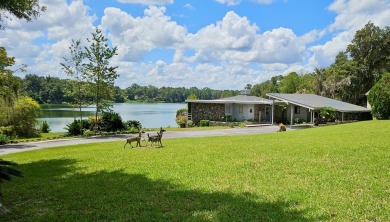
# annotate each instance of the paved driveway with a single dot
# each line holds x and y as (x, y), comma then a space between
(21, 147)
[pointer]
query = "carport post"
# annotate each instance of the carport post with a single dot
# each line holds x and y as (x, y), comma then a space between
(342, 116)
(292, 113)
(272, 115)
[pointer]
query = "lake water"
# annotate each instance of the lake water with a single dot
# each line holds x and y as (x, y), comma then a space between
(151, 115)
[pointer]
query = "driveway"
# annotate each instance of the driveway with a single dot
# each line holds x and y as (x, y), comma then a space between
(21, 147)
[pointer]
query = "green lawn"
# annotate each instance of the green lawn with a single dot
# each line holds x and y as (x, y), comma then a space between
(335, 173)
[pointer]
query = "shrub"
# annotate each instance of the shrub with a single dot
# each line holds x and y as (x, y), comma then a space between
(227, 118)
(379, 98)
(88, 133)
(45, 128)
(7, 130)
(112, 122)
(181, 121)
(77, 126)
(204, 122)
(133, 124)
(4, 139)
(328, 113)
(25, 114)
(190, 123)
(182, 112)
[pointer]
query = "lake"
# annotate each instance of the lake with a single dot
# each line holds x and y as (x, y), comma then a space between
(151, 115)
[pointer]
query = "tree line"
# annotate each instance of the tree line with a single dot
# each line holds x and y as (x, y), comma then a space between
(353, 74)
(47, 89)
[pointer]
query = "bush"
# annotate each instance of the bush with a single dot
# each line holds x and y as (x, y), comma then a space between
(190, 123)
(88, 133)
(112, 122)
(8, 131)
(133, 124)
(379, 98)
(45, 128)
(204, 122)
(328, 113)
(25, 114)
(227, 118)
(77, 126)
(4, 139)
(182, 112)
(181, 121)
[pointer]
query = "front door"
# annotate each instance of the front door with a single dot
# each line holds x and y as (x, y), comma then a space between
(268, 114)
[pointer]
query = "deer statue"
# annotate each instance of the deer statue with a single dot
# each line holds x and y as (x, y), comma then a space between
(156, 138)
(135, 139)
(282, 127)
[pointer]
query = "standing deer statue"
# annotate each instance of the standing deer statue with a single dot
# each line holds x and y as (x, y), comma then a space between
(135, 139)
(156, 138)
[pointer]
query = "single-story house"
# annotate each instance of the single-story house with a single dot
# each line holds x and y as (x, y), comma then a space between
(241, 107)
(267, 111)
(304, 106)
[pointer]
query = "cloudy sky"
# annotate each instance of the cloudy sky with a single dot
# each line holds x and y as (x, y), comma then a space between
(221, 44)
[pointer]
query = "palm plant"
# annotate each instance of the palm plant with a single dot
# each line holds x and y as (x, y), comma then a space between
(7, 170)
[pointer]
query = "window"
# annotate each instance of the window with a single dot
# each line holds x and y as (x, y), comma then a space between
(240, 109)
(250, 110)
(297, 109)
(228, 109)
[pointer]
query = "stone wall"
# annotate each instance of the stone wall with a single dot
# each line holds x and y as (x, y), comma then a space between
(209, 111)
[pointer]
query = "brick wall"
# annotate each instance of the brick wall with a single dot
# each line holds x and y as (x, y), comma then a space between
(209, 111)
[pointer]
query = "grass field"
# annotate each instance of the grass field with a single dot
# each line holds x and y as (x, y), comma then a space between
(335, 173)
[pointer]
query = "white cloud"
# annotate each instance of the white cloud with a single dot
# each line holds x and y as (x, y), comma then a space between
(351, 16)
(137, 36)
(229, 2)
(189, 6)
(236, 39)
(263, 1)
(42, 43)
(147, 2)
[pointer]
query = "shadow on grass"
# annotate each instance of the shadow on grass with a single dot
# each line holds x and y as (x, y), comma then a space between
(55, 190)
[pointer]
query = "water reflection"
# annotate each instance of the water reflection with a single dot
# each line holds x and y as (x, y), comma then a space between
(151, 115)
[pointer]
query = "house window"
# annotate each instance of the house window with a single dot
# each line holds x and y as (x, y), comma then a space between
(250, 110)
(297, 109)
(240, 109)
(228, 109)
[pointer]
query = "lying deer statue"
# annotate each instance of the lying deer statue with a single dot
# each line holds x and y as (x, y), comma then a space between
(282, 127)
(134, 139)
(156, 138)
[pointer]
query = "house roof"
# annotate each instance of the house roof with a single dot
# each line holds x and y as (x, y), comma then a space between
(316, 102)
(240, 99)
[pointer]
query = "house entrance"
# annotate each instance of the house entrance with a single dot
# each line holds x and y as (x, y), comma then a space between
(268, 114)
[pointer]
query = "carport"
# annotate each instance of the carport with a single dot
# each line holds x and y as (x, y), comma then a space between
(312, 103)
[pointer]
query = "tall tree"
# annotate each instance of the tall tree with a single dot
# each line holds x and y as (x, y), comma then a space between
(290, 83)
(98, 71)
(74, 67)
(379, 98)
(9, 84)
(21, 9)
(370, 50)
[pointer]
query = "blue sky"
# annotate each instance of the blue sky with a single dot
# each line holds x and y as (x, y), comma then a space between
(221, 44)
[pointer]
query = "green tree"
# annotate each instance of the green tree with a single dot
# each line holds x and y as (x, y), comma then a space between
(74, 67)
(9, 86)
(192, 96)
(119, 95)
(290, 83)
(379, 98)
(24, 118)
(21, 9)
(370, 50)
(98, 71)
